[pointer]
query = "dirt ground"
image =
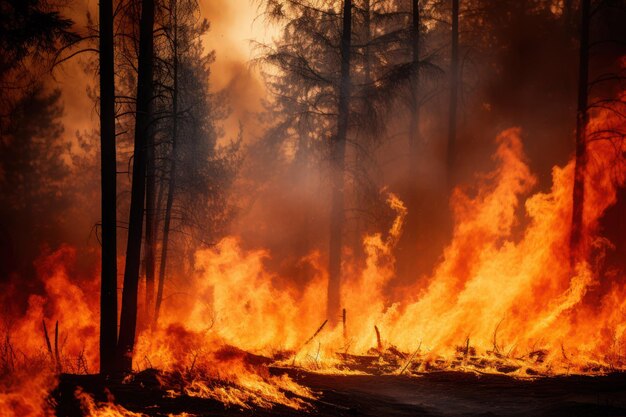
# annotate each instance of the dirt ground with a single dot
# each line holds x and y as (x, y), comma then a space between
(432, 394)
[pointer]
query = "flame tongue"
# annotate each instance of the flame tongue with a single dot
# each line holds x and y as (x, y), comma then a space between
(501, 299)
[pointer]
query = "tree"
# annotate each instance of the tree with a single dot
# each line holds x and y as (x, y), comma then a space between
(337, 157)
(31, 150)
(151, 224)
(310, 84)
(128, 317)
(171, 187)
(408, 242)
(33, 168)
(327, 94)
(108, 288)
(195, 172)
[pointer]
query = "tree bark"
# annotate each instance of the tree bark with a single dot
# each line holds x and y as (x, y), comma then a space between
(454, 92)
(128, 318)
(108, 278)
(338, 151)
(577, 247)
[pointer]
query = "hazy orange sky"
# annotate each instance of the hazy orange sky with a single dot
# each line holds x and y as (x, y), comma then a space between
(233, 25)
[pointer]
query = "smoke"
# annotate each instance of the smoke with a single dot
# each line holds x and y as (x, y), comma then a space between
(525, 78)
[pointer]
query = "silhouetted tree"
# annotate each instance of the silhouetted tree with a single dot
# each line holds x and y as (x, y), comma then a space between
(337, 157)
(128, 317)
(108, 164)
(195, 171)
(32, 201)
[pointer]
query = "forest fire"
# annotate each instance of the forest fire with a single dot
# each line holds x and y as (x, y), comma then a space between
(384, 240)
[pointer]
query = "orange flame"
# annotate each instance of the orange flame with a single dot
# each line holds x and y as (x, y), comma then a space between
(502, 297)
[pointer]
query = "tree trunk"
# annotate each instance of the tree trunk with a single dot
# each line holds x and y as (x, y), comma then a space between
(577, 249)
(454, 92)
(165, 242)
(108, 279)
(361, 145)
(338, 151)
(150, 238)
(407, 248)
(172, 179)
(128, 318)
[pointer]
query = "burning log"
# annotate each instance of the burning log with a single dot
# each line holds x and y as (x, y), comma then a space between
(538, 356)
(395, 352)
(362, 363)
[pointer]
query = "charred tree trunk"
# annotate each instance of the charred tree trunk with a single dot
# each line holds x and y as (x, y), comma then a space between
(150, 238)
(108, 278)
(454, 93)
(166, 235)
(408, 245)
(128, 317)
(338, 151)
(172, 179)
(577, 249)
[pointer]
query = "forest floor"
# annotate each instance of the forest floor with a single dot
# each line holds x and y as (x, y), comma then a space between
(432, 394)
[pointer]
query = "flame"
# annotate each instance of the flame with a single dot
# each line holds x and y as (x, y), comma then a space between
(502, 299)
(25, 394)
(503, 288)
(91, 408)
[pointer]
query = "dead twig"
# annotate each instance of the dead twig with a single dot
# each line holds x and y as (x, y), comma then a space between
(309, 341)
(378, 341)
(495, 338)
(408, 362)
(57, 355)
(316, 333)
(48, 345)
